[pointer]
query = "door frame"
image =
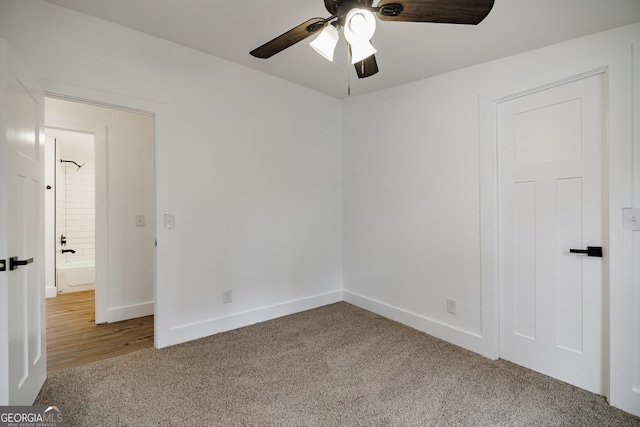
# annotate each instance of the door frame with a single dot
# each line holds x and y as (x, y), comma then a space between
(616, 65)
(158, 110)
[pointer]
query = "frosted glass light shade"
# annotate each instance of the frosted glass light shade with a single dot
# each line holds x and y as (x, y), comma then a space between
(360, 25)
(325, 43)
(361, 51)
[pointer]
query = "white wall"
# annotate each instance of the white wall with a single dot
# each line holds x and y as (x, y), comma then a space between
(249, 165)
(412, 232)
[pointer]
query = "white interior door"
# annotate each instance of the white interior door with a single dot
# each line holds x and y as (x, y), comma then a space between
(550, 145)
(23, 330)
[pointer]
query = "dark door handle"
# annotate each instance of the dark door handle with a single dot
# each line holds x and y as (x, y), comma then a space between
(14, 262)
(590, 251)
(3, 265)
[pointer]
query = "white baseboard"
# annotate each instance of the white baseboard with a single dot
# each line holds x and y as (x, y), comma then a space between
(462, 338)
(50, 292)
(198, 330)
(117, 314)
(459, 337)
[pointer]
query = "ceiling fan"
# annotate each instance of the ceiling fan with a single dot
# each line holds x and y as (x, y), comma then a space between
(357, 19)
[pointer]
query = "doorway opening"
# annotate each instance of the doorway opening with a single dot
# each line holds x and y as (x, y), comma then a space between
(100, 231)
(75, 194)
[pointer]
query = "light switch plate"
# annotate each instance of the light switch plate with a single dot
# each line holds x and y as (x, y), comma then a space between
(140, 221)
(631, 219)
(169, 221)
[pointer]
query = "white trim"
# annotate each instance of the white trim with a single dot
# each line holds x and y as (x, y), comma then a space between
(636, 234)
(116, 314)
(216, 325)
(4, 282)
(49, 241)
(50, 292)
(466, 339)
(618, 173)
(621, 261)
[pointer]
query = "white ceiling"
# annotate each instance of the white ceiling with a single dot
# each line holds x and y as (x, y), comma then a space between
(406, 51)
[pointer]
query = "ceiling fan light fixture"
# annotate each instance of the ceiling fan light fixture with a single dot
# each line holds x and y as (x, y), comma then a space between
(361, 51)
(359, 27)
(326, 42)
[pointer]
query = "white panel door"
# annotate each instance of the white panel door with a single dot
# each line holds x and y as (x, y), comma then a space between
(24, 367)
(550, 145)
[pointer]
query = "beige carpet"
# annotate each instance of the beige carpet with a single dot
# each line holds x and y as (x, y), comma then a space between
(333, 366)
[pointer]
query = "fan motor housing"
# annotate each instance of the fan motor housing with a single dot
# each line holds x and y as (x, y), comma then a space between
(341, 7)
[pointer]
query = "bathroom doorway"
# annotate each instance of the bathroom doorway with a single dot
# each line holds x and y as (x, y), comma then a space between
(75, 215)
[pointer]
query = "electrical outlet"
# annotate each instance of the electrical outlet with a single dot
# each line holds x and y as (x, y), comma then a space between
(451, 306)
(227, 296)
(140, 221)
(631, 219)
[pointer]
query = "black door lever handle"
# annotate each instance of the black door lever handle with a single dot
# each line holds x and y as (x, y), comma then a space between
(14, 262)
(595, 251)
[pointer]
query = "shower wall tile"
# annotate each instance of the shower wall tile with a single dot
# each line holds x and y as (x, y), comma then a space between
(61, 202)
(80, 210)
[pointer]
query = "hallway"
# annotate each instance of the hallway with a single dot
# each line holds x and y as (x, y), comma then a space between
(74, 339)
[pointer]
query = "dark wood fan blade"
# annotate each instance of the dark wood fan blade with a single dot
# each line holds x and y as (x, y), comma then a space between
(441, 11)
(367, 67)
(289, 38)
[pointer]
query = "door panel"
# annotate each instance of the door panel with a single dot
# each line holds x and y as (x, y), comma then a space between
(556, 140)
(524, 262)
(24, 292)
(550, 145)
(569, 294)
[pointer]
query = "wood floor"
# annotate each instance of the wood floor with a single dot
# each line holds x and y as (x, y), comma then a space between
(74, 339)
